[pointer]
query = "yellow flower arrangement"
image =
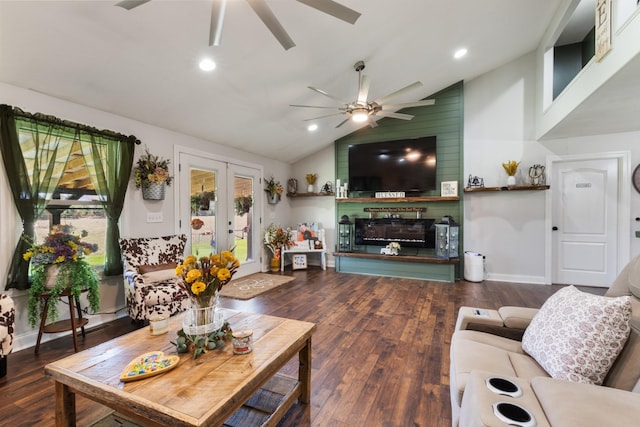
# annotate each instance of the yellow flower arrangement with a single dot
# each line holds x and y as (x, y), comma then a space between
(203, 278)
(311, 178)
(511, 167)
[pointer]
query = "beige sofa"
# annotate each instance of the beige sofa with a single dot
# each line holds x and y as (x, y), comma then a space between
(493, 374)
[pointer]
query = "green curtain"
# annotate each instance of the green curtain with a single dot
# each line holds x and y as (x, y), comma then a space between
(109, 163)
(35, 149)
(34, 154)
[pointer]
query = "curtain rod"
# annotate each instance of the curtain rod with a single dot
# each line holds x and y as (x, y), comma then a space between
(69, 124)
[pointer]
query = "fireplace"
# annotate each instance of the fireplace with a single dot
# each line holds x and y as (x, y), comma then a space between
(416, 233)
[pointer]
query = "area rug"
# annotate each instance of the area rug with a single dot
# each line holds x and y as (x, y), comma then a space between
(255, 284)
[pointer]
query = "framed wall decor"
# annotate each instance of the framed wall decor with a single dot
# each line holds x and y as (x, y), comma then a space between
(299, 261)
(449, 189)
(603, 28)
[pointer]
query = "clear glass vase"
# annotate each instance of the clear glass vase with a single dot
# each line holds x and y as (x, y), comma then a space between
(203, 317)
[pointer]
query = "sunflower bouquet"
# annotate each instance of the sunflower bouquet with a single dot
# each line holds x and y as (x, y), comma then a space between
(203, 278)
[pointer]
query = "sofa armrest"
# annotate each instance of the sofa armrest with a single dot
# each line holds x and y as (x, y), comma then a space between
(575, 404)
(501, 331)
(517, 317)
(508, 322)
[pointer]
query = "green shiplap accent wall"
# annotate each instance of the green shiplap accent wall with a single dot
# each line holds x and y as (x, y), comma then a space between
(445, 121)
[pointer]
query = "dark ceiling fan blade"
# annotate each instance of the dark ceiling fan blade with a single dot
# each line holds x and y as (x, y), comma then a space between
(343, 122)
(334, 9)
(363, 91)
(322, 117)
(218, 8)
(263, 11)
(394, 115)
(409, 104)
(317, 106)
(408, 88)
(342, 101)
(130, 4)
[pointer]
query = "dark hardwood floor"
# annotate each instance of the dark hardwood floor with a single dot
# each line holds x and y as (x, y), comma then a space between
(380, 352)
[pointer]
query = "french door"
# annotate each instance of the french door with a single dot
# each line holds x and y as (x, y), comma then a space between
(219, 209)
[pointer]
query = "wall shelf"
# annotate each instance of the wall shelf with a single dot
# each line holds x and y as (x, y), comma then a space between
(331, 193)
(398, 199)
(513, 188)
(401, 258)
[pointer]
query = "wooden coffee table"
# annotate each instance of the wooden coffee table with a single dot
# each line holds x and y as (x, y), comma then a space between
(201, 392)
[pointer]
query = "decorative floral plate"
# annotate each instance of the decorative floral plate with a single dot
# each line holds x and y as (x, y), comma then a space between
(148, 365)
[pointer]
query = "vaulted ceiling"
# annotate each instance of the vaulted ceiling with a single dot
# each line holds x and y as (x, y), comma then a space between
(142, 63)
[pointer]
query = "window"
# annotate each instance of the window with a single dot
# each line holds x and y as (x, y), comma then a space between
(68, 172)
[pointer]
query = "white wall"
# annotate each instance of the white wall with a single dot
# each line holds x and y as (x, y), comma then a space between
(318, 209)
(509, 227)
(133, 221)
(499, 121)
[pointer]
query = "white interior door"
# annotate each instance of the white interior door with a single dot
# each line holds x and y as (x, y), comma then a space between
(209, 214)
(585, 222)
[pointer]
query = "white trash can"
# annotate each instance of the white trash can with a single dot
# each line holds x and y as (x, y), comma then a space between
(473, 266)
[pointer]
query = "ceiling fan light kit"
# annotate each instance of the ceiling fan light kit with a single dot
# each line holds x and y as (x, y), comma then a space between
(361, 110)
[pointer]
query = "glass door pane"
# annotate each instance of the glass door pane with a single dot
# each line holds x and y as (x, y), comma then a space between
(202, 208)
(202, 192)
(244, 217)
(242, 230)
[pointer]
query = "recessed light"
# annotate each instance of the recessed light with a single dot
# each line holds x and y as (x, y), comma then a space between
(312, 127)
(460, 53)
(207, 64)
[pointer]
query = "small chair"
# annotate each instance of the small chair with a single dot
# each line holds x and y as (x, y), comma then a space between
(151, 286)
(7, 321)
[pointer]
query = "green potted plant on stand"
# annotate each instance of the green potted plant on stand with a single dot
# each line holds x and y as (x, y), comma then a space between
(58, 265)
(152, 174)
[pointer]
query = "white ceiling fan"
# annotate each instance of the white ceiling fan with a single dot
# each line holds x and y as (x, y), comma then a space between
(361, 110)
(264, 12)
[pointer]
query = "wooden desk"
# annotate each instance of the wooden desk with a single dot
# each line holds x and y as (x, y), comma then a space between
(201, 392)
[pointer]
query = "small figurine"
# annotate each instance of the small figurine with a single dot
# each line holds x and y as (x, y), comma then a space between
(475, 182)
(536, 175)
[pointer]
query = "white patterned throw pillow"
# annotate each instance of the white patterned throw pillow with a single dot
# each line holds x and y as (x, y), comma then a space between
(577, 336)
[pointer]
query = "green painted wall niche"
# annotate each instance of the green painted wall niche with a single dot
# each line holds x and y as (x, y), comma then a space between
(444, 119)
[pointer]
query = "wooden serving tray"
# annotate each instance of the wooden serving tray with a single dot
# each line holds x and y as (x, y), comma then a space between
(148, 365)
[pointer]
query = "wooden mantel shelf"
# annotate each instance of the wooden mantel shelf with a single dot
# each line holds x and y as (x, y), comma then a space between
(397, 199)
(405, 258)
(310, 194)
(512, 188)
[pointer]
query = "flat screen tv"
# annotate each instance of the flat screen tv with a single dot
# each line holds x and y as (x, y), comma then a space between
(407, 165)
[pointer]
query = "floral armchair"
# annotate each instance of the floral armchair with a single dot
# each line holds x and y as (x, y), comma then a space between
(151, 286)
(7, 320)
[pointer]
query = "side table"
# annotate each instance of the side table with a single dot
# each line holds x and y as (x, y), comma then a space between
(71, 324)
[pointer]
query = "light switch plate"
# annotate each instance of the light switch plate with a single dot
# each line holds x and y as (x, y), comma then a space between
(154, 216)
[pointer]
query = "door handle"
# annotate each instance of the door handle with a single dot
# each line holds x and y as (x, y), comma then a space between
(554, 228)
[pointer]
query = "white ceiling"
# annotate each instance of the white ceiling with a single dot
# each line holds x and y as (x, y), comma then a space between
(142, 63)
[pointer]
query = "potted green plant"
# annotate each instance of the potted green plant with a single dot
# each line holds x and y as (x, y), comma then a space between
(243, 205)
(58, 265)
(151, 173)
(274, 189)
